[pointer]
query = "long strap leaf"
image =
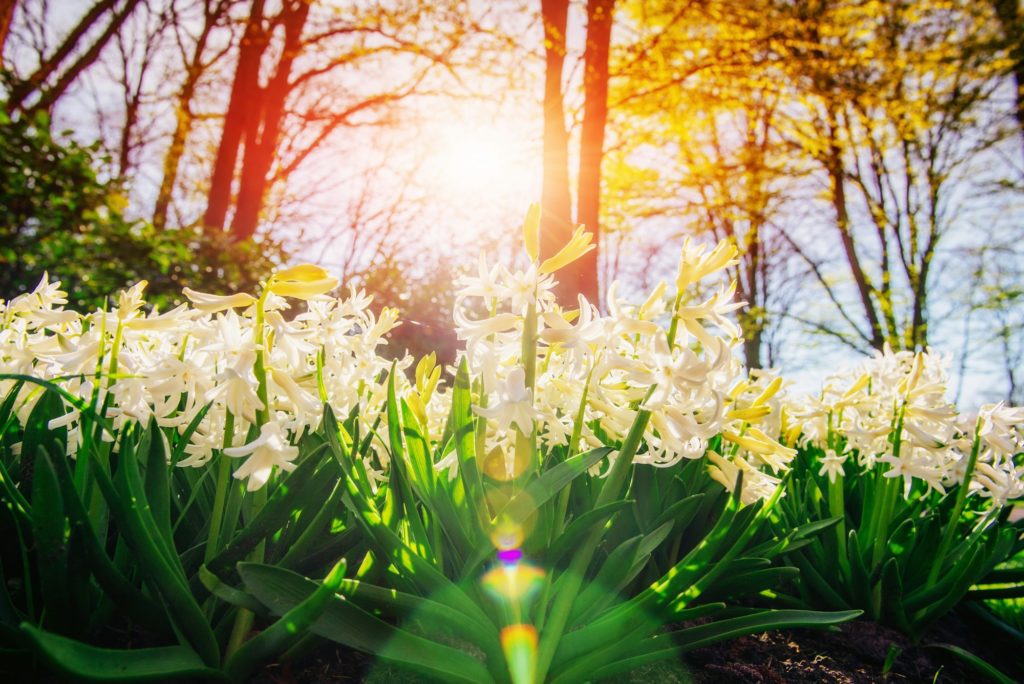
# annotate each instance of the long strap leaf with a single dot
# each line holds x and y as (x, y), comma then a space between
(118, 665)
(344, 622)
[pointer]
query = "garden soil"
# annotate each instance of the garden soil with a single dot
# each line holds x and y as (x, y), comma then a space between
(855, 653)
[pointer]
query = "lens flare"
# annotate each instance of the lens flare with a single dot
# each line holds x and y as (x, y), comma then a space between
(513, 583)
(519, 642)
(507, 535)
(510, 556)
(505, 466)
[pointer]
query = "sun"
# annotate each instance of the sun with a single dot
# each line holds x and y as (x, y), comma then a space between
(487, 164)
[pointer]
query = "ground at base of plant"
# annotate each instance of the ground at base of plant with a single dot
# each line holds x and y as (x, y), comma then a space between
(853, 654)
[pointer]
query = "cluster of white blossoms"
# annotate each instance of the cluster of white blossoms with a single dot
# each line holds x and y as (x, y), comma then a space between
(207, 356)
(241, 376)
(892, 410)
(543, 367)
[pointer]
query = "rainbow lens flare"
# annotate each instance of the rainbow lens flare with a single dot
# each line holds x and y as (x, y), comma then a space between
(513, 583)
(519, 642)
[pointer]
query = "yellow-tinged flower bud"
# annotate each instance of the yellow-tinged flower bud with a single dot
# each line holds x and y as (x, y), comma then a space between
(301, 273)
(756, 442)
(770, 391)
(695, 265)
(739, 389)
(861, 383)
(211, 303)
(653, 300)
(424, 368)
(578, 245)
(531, 229)
(749, 415)
(304, 281)
(417, 407)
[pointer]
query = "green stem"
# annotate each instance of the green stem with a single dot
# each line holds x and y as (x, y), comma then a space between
(244, 618)
(837, 508)
(958, 509)
(260, 367)
(526, 445)
(673, 327)
(890, 494)
(82, 468)
(221, 493)
(320, 386)
(612, 489)
(571, 450)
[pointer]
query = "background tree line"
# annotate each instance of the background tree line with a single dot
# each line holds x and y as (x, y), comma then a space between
(866, 156)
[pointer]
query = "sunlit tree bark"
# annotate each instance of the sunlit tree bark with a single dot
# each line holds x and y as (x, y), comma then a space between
(1009, 14)
(595, 118)
(263, 132)
(6, 15)
(195, 66)
(241, 106)
(556, 202)
(557, 221)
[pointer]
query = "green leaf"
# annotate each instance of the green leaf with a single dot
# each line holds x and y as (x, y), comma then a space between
(400, 472)
(165, 576)
(410, 567)
(748, 583)
(925, 596)
(813, 581)
(893, 611)
(396, 604)
(761, 621)
(7, 415)
(185, 438)
(48, 529)
(861, 582)
(679, 511)
(37, 433)
(422, 468)
(541, 490)
(974, 661)
(288, 630)
(340, 446)
(344, 622)
(124, 595)
(301, 484)
(463, 430)
(227, 593)
(604, 587)
(117, 665)
(153, 448)
(579, 528)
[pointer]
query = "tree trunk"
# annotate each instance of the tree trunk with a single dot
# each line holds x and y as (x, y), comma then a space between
(556, 203)
(595, 117)
(752, 318)
(183, 118)
(1008, 13)
(6, 15)
(837, 178)
(244, 93)
(176, 150)
(263, 134)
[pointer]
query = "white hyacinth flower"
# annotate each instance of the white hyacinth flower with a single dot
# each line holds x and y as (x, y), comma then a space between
(514, 405)
(271, 449)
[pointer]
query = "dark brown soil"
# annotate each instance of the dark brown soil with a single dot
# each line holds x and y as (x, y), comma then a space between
(855, 653)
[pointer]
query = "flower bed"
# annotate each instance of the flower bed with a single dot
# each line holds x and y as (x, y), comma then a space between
(241, 478)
